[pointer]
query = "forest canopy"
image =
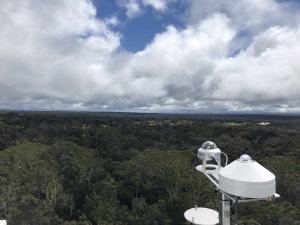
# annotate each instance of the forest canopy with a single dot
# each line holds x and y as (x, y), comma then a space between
(105, 169)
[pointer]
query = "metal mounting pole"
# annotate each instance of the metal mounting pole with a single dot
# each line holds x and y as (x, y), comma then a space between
(225, 214)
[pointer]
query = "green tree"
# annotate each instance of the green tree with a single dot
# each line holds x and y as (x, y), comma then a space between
(156, 175)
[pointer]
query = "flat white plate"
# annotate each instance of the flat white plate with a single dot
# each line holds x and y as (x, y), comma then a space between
(202, 216)
(3, 222)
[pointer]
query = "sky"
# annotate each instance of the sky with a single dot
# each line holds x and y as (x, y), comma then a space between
(175, 56)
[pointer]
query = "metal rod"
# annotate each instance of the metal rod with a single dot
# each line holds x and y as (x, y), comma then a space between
(225, 214)
(210, 178)
(236, 212)
(228, 196)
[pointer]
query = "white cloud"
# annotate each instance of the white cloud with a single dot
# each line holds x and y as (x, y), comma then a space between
(178, 59)
(266, 72)
(111, 21)
(196, 72)
(57, 54)
(250, 15)
(135, 8)
(52, 50)
(160, 5)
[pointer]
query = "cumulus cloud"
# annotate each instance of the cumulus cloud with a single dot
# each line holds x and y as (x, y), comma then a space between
(57, 55)
(135, 8)
(178, 59)
(264, 75)
(250, 15)
(160, 5)
(52, 50)
(266, 72)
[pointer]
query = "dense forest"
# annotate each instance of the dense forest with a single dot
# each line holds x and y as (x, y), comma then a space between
(136, 169)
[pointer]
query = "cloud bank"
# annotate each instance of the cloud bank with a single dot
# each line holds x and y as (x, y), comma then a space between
(228, 58)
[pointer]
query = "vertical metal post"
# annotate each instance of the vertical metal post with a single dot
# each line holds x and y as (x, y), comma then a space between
(236, 212)
(225, 213)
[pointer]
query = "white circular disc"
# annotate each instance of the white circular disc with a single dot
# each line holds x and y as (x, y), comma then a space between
(202, 216)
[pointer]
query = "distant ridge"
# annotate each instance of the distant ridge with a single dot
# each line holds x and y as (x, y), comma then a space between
(211, 116)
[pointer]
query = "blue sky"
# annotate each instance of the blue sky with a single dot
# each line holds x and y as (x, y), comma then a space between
(212, 56)
(139, 31)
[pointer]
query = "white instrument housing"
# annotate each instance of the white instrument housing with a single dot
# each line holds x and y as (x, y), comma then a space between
(247, 179)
